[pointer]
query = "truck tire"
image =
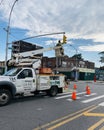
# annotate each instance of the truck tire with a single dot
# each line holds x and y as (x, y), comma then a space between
(5, 97)
(53, 91)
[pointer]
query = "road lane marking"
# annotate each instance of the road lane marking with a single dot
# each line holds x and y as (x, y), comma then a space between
(78, 97)
(101, 104)
(94, 114)
(96, 125)
(93, 99)
(60, 94)
(91, 94)
(72, 99)
(69, 99)
(64, 122)
(64, 118)
(65, 96)
(70, 119)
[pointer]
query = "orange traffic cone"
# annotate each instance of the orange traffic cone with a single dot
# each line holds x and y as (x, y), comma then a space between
(88, 92)
(74, 97)
(75, 86)
(87, 88)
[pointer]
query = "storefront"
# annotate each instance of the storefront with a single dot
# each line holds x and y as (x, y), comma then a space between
(82, 74)
(86, 74)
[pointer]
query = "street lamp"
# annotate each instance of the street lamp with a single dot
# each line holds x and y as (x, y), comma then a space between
(7, 38)
(76, 74)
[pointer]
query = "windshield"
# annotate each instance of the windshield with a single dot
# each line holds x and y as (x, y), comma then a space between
(12, 72)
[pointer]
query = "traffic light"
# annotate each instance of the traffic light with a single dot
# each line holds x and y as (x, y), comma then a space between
(64, 39)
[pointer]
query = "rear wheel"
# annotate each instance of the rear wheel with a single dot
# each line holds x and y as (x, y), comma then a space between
(53, 91)
(5, 97)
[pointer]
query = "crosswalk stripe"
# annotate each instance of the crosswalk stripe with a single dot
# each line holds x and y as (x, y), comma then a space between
(72, 100)
(93, 99)
(69, 100)
(91, 94)
(101, 104)
(64, 93)
(65, 96)
(78, 97)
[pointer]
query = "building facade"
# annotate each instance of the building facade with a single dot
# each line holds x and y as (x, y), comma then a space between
(69, 66)
(22, 46)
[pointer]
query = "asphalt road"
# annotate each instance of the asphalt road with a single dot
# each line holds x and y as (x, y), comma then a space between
(57, 113)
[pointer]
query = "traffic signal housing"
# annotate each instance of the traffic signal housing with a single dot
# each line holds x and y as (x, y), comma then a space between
(64, 39)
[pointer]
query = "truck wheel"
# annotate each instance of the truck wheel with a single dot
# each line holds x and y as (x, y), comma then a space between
(53, 91)
(5, 97)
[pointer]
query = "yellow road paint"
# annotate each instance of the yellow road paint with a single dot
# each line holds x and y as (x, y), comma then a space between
(96, 125)
(65, 117)
(64, 122)
(94, 114)
(70, 119)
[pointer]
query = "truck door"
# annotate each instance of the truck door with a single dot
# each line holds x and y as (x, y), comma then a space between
(26, 80)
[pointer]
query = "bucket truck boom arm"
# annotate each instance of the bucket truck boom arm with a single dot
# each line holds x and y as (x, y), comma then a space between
(29, 57)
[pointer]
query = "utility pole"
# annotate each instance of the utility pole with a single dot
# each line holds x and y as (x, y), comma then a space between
(7, 37)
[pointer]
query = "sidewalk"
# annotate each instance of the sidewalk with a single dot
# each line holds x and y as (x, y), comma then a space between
(87, 81)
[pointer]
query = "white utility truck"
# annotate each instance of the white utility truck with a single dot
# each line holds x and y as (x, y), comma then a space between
(29, 78)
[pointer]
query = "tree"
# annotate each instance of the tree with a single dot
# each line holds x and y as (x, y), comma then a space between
(102, 57)
(77, 56)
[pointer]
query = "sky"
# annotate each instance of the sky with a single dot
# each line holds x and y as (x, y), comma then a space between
(81, 20)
